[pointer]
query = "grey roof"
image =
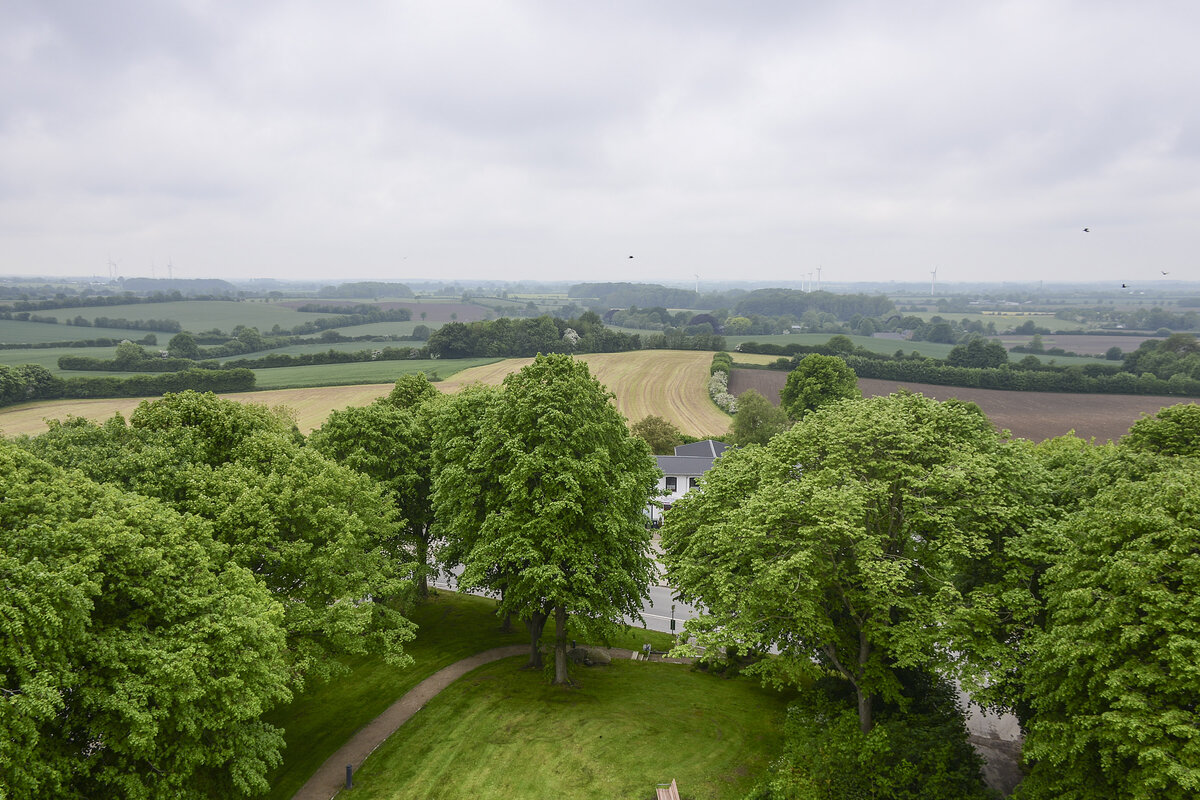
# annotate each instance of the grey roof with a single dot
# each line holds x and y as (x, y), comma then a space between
(707, 448)
(684, 465)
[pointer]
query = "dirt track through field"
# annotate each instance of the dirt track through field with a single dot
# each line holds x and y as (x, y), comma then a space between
(1029, 415)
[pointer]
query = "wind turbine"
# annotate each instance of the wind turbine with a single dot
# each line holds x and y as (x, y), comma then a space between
(932, 281)
(697, 286)
(819, 279)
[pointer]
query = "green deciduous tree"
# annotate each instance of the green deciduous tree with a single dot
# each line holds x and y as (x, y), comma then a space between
(661, 435)
(850, 543)
(756, 420)
(551, 496)
(1114, 676)
(1173, 431)
(316, 533)
(815, 381)
(390, 441)
(136, 660)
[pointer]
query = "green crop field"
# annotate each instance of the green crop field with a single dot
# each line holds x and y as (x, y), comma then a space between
(360, 372)
(18, 332)
(48, 356)
(202, 315)
(388, 328)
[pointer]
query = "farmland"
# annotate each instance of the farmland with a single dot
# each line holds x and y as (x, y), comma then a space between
(1029, 415)
(669, 383)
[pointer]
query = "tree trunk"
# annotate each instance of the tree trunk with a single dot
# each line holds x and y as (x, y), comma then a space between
(422, 567)
(864, 696)
(864, 711)
(506, 623)
(560, 646)
(537, 623)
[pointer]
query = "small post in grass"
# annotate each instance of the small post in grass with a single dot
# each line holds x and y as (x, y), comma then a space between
(349, 776)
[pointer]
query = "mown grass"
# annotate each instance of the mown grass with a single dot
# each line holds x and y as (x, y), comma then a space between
(506, 734)
(451, 627)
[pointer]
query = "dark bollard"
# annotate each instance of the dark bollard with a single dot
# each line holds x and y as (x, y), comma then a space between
(349, 776)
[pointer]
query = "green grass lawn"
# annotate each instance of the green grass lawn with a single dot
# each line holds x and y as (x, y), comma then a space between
(359, 372)
(452, 626)
(507, 734)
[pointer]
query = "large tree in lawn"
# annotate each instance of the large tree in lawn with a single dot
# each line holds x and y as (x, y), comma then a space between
(390, 441)
(851, 543)
(553, 496)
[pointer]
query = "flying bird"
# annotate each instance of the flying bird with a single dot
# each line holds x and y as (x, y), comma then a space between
(1123, 286)
(1087, 230)
(631, 256)
(1164, 273)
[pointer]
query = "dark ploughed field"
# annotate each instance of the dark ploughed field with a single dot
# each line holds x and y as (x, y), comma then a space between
(1029, 415)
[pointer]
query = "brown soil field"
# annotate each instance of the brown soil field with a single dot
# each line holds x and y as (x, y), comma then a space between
(669, 383)
(1083, 345)
(1028, 415)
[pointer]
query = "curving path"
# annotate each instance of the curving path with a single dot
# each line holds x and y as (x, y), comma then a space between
(331, 777)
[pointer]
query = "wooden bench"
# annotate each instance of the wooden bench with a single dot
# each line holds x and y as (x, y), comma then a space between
(667, 791)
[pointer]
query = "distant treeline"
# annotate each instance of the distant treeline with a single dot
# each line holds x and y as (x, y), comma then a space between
(148, 339)
(1167, 367)
(764, 302)
(366, 289)
(520, 338)
(122, 299)
(33, 382)
(163, 325)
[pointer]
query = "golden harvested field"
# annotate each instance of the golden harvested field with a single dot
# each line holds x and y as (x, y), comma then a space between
(669, 383)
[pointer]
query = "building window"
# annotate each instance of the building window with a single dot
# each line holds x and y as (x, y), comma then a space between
(693, 483)
(671, 483)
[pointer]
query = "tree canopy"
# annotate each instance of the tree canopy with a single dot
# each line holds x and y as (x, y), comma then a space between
(137, 658)
(847, 541)
(312, 531)
(547, 493)
(756, 420)
(815, 381)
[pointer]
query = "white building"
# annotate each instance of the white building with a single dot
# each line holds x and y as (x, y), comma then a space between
(682, 471)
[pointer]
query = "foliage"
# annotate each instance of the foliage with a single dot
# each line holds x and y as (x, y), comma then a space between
(552, 498)
(515, 338)
(136, 659)
(1114, 682)
(662, 436)
(1173, 431)
(318, 535)
(978, 353)
(757, 420)
(917, 749)
(846, 543)
(390, 442)
(816, 381)
(718, 390)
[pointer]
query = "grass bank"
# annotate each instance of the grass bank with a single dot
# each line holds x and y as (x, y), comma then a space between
(506, 734)
(452, 626)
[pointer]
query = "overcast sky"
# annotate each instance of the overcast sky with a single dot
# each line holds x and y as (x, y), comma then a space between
(553, 140)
